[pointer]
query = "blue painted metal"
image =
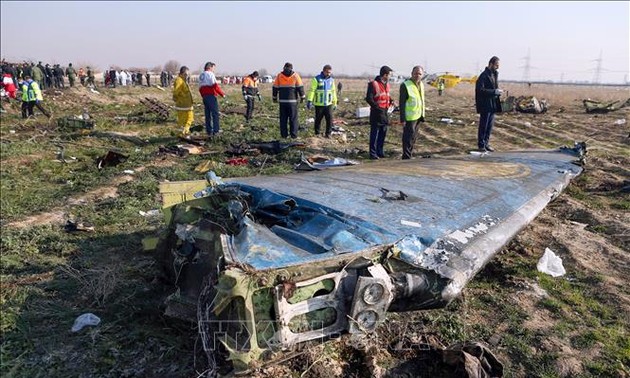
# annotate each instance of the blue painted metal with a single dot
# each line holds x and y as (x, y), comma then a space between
(457, 201)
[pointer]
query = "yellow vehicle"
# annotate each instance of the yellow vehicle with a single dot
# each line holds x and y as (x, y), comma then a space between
(449, 79)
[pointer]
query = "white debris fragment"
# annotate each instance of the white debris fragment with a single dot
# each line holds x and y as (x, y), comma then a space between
(410, 223)
(551, 264)
(621, 121)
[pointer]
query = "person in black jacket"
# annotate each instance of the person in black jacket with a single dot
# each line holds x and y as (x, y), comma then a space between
(488, 103)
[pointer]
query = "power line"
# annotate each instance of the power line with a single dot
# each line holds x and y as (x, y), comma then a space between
(598, 70)
(527, 66)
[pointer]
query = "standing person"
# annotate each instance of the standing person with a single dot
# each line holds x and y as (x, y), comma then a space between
(148, 76)
(59, 74)
(379, 100)
(183, 101)
(440, 87)
(488, 103)
(9, 85)
(286, 88)
(250, 89)
(43, 70)
(323, 94)
(82, 76)
(339, 88)
(49, 76)
(209, 89)
(90, 78)
(72, 74)
(139, 78)
(31, 97)
(38, 75)
(412, 106)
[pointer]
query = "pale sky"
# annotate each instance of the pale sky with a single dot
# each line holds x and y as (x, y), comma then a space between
(565, 39)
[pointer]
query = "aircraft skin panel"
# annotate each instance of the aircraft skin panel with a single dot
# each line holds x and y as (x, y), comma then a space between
(467, 202)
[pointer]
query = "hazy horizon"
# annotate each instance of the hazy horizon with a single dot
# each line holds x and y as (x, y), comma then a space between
(536, 41)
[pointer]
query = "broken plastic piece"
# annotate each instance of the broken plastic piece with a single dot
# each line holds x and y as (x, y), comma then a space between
(83, 320)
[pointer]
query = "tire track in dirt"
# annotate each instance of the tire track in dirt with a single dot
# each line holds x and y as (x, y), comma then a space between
(514, 142)
(59, 215)
(596, 130)
(439, 138)
(544, 142)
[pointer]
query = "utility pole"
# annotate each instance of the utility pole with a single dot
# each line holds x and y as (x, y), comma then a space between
(526, 67)
(598, 69)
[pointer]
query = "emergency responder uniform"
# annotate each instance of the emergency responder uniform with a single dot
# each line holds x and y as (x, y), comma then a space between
(250, 89)
(183, 104)
(379, 99)
(32, 97)
(411, 113)
(323, 94)
(287, 87)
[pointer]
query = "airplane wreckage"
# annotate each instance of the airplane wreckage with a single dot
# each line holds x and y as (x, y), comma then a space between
(265, 263)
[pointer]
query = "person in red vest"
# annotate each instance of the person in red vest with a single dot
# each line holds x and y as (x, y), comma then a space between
(379, 99)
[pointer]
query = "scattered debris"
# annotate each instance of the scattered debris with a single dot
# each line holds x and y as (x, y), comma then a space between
(156, 111)
(446, 120)
(530, 104)
(75, 123)
(72, 226)
(363, 112)
(110, 159)
(271, 148)
(593, 106)
(317, 162)
(393, 195)
(410, 223)
(621, 121)
(129, 171)
(237, 161)
(150, 213)
(205, 166)
(551, 264)
(83, 320)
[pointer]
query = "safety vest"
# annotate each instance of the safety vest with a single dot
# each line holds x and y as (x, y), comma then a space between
(323, 91)
(31, 92)
(287, 89)
(381, 94)
(414, 106)
(250, 86)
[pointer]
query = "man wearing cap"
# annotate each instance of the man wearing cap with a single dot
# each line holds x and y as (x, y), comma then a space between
(379, 99)
(250, 89)
(209, 89)
(287, 87)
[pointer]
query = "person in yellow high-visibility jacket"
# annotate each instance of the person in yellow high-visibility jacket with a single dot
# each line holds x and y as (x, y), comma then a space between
(412, 108)
(440, 86)
(183, 101)
(323, 94)
(31, 97)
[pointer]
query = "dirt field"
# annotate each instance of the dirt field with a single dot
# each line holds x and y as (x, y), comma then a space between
(537, 326)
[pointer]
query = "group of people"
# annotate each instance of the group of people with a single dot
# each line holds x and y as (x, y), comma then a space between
(288, 90)
(113, 78)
